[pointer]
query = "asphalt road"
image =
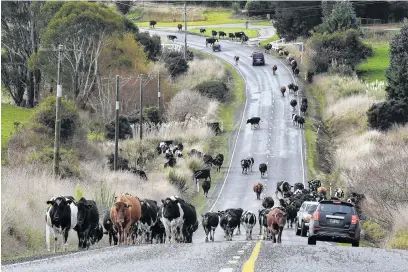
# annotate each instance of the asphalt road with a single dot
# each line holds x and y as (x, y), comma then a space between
(277, 143)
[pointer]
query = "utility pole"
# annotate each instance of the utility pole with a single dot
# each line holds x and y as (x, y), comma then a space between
(158, 90)
(58, 116)
(115, 161)
(141, 108)
(185, 31)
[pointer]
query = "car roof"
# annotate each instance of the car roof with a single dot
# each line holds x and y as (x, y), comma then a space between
(337, 201)
(310, 202)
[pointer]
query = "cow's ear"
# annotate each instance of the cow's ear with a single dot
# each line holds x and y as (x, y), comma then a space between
(49, 202)
(162, 201)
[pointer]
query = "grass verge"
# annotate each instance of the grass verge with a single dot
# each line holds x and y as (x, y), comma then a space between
(251, 33)
(227, 113)
(374, 68)
(274, 38)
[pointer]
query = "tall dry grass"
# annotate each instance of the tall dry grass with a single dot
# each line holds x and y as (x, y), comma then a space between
(25, 190)
(201, 70)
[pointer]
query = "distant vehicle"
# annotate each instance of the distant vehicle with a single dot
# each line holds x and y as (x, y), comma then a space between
(336, 221)
(258, 58)
(303, 217)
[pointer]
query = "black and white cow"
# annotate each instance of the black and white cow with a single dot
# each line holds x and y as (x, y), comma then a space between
(268, 202)
(88, 222)
(190, 224)
(263, 168)
(231, 36)
(293, 104)
(210, 223)
(238, 212)
(110, 228)
(245, 165)
(222, 34)
(202, 174)
(282, 187)
(229, 221)
(298, 186)
(263, 222)
(147, 220)
(202, 31)
(214, 33)
(339, 193)
(248, 219)
(158, 230)
(251, 162)
(60, 217)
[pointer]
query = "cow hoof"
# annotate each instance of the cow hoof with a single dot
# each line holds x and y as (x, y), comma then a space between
(206, 239)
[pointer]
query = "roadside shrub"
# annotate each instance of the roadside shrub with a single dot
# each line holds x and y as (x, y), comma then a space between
(178, 179)
(186, 105)
(214, 89)
(194, 163)
(151, 44)
(175, 63)
(45, 116)
(383, 115)
(125, 130)
(153, 114)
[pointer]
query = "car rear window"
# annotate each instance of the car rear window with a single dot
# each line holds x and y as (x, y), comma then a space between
(311, 207)
(258, 55)
(333, 208)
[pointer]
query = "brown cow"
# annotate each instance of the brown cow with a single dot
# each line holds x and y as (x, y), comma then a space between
(276, 222)
(283, 90)
(125, 212)
(258, 188)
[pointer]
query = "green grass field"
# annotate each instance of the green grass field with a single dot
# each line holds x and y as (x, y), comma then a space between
(9, 115)
(274, 38)
(251, 33)
(374, 68)
(211, 18)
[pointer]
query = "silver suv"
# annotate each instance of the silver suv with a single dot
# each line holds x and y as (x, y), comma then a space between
(303, 217)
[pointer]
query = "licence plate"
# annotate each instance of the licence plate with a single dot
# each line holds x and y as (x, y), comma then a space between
(334, 221)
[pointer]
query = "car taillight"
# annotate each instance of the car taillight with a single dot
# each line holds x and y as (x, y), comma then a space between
(336, 202)
(316, 216)
(354, 219)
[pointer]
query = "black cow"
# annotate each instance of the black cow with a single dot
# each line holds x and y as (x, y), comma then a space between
(215, 127)
(229, 221)
(222, 34)
(179, 26)
(195, 152)
(171, 37)
(152, 24)
(214, 33)
(202, 30)
(60, 217)
(202, 174)
(206, 187)
(140, 173)
(291, 213)
(296, 71)
(96, 235)
(110, 228)
(190, 224)
(268, 202)
(158, 230)
(208, 159)
(251, 162)
(210, 223)
(268, 47)
(303, 109)
(238, 212)
(171, 162)
(239, 35)
(245, 165)
(263, 222)
(231, 36)
(304, 100)
(88, 221)
(248, 219)
(263, 168)
(293, 103)
(210, 41)
(218, 161)
(254, 121)
(148, 219)
(301, 121)
(282, 187)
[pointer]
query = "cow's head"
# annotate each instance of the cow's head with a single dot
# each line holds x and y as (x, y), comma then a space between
(83, 208)
(122, 210)
(60, 208)
(170, 207)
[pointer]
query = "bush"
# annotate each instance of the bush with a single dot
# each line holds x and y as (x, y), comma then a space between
(175, 63)
(186, 105)
(45, 116)
(125, 130)
(214, 89)
(151, 44)
(383, 115)
(344, 47)
(179, 180)
(152, 114)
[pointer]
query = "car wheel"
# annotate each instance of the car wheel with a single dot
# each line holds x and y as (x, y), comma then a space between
(303, 230)
(253, 64)
(311, 241)
(297, 230)
(355, 243)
